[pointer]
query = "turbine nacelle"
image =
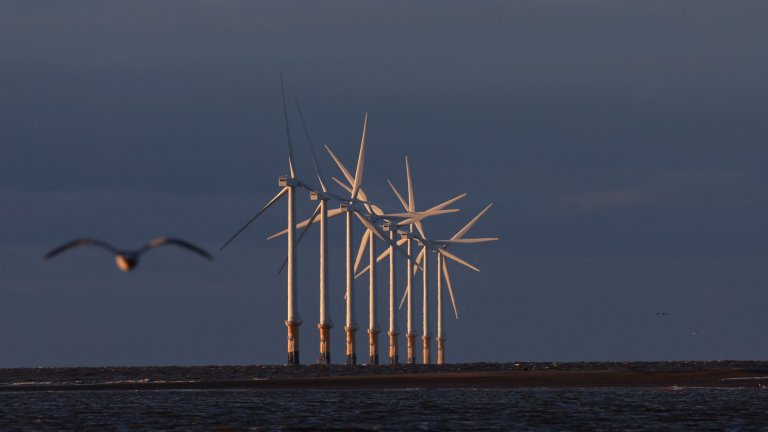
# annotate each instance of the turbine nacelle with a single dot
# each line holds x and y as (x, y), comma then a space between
(286, 181)
(389, 226)
(315, 196)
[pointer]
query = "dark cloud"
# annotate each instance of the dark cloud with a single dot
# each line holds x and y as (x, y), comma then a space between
(622, 144)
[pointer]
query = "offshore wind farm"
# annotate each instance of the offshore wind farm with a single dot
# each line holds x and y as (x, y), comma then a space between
(498, 215)
(375, 222)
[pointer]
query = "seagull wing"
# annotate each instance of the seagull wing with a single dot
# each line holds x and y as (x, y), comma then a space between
(80, 242)
(162, 241)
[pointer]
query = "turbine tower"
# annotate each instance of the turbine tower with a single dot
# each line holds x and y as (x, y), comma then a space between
(393, 228)
(443, 265)
(288, 184)
(411, 333)
(374, 215)
(349, 209)
(325, 323)
(373, 324)
(440, 246)
(394, 332)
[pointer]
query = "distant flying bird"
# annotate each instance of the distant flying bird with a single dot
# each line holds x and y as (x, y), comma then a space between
(128, 260)
(661, 314)
(694, 333)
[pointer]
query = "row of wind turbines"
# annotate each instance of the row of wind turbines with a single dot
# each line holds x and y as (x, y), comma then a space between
(402, 232)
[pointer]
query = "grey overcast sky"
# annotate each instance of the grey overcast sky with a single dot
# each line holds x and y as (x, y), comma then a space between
(622, 142)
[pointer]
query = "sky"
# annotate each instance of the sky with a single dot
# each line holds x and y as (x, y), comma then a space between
(621, 142)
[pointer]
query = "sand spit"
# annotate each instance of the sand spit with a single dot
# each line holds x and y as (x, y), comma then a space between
(676, 374)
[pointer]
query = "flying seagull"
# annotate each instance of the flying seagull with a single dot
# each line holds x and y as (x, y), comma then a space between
(661, 314)
(127, 260)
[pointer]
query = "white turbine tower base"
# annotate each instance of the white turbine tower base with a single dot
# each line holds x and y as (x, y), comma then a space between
(410, 333)
(393, 330)
(293, 321)
(373, 324)
(325, 324)
(440, 333)
(351, 324)
(426, 338)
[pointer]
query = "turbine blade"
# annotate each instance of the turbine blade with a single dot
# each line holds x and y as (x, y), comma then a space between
(411, 203)
(381, 257)
(405, 295)
(361, 272)
(372, 209)
(466, 240)
(269, 204)
(450, 287)
(472, 222)
(335, 212)
(447, 203)
(400, 216)
(301, 236)
(341, 183)
(420, 229)
(282, 266)
(368, 224)
(341, 166)
(418, 260)
(287, 129)
(361, 251)
(420, 216)
(360, 159)
(311, 148)
(406, 207)
(331, 213)
(375, 230)
(457, 259)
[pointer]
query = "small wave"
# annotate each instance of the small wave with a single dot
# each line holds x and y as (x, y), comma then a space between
(751, 378)
(131, 381)
(673, 388)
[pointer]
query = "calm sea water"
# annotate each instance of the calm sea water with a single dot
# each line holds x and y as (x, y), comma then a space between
(694, 409)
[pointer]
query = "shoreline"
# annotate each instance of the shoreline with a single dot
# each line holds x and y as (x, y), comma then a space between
(727, 374)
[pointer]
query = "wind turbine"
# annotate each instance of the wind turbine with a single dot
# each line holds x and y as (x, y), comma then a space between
(410, 206)
(442, 270)
(348, 207)
(393, 229)
(374, 215)
(325, 323)
(288, 185)
(439, 247)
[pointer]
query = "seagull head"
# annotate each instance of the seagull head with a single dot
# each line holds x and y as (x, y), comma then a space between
(126, 262)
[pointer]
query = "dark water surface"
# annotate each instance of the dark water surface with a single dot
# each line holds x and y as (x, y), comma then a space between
(694, 409)
(669, 408)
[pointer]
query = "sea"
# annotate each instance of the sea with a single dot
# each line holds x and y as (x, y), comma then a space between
(405, 409)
